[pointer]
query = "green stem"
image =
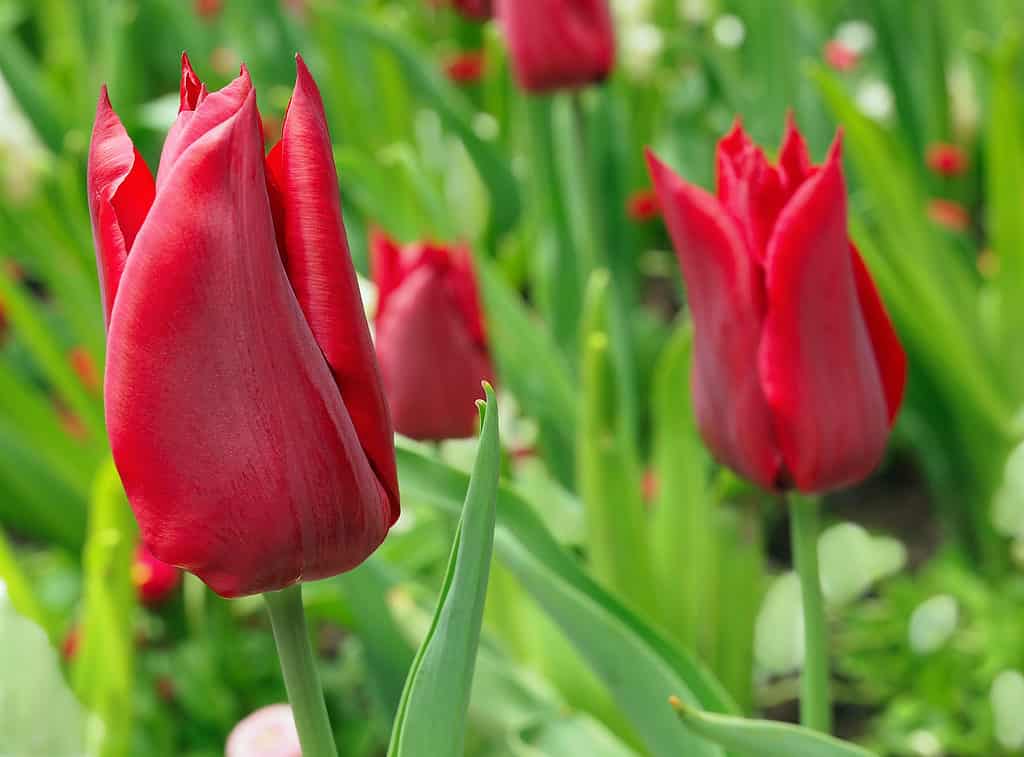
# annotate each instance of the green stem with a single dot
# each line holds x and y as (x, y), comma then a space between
(562, 280)
(815, 700)
(300, 675)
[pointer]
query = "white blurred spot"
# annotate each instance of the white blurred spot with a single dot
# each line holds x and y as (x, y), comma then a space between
(875, 99)
(486, 126)
(858, 36)
(695, 11)
(729, 31)
(642, 44)
(925, 744)
(267, 732)
(932, 624)
(1007, 697)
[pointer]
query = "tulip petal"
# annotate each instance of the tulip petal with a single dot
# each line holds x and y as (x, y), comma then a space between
(385, 266)
(724, 291)
(303, 188)
(817, 364)
(235, 449)
(749, 188)
(210, 110)
(121, 191)
(892, 360)
(794, 159)
(430, 362)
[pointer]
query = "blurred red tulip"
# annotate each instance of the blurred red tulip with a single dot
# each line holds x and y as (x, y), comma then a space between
(477, 10)
(650, 485)
(85, 368)
(642, 205)
(431, 341)
(840, 57)
(949, 214)
(946, 159)
(154, 580)
(69, 648)
(243, 400)
(557, 44)
(465, 68)
(267, 732)
(798, 373)
(209, 9)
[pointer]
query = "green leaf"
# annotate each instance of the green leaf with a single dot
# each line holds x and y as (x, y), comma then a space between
(683, 527)
(1005, 169)
(764, 738)
(639, 668)
(103, 672)
(609, 482)
(38, 715)
(15, 588)
(432, 714)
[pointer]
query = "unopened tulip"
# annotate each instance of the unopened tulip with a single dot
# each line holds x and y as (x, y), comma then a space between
(465, 68)
(798, 373)
(243, 403)
(946, 159)
(431, 341)
(154, 579)
(558, 44)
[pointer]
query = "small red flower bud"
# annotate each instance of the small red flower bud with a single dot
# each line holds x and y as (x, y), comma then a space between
(946, 159)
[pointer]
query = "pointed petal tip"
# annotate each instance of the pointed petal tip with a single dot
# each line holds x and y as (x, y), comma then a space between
(104, 99)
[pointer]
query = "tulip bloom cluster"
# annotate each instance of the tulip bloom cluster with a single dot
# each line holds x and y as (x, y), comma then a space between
(243, 403)
(798, 373)
(431, 341)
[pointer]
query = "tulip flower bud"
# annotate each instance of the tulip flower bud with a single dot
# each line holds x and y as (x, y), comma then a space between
(154, 580)
(242, 395)
(431, 341)
(798, 373)
(558, 44)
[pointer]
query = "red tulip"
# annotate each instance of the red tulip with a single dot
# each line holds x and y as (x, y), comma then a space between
(557, 44)
(841, 57)
(85, 368)
(949, 214)
(642, 205)
(798, 373)
(243, 402)
(431, 342)
(154, 579)
(946, 159)
(465, 68)
(478, 10)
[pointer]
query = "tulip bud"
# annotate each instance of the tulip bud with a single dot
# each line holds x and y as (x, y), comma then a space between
(431, 341)
(558, 44)
(154, 580)
(268, 732)
(946, 159)
(798, 373)
(465, 68)
(242, 395)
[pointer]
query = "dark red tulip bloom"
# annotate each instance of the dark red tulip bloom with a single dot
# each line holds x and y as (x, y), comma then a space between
(946, 159)
(243, 402)
(840, 57)
(465, 68)
(949, 214)
(154, 579)
(642, 205)
(558, 44)
(798, 373)
(431, 341)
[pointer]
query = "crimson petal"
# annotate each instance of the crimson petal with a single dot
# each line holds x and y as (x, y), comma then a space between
(303, 184)
(817, 364)
(724, 292)
(121, 191)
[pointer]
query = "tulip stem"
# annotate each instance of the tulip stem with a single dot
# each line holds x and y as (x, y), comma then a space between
(300, 675)
(815, 700)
